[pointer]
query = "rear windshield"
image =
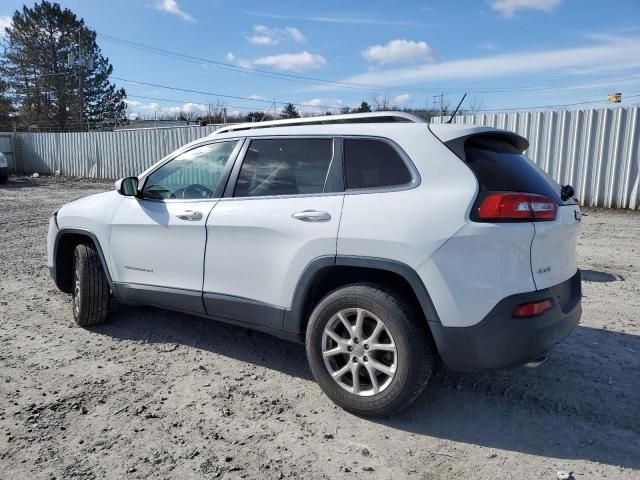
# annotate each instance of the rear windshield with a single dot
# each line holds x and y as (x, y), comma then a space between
(499, 166)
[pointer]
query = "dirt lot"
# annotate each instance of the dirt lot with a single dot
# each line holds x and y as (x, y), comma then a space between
(166, 395)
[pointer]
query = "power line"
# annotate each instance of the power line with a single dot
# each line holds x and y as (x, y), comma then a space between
(334, 107)
(327, 107)
(553, 106)
(222, 95)
(340, 83)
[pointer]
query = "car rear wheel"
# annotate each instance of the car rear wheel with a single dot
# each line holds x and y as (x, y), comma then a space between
(368, 350)
(4, 175)
(90, 287)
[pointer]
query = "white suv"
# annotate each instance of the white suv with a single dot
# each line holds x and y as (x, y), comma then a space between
(382, 242)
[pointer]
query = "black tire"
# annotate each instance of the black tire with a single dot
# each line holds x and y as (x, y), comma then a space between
(90, 287)
(4, 175)
(415, 352)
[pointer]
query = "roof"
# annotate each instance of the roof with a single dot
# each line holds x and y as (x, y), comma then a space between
(369, 117)
(385, 124)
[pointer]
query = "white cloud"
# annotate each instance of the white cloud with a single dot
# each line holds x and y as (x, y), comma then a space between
(611, 55)
(292, 61)
(272, 36)
(5, 21)
(263, 36)
(320, 105)
(256, 97)
(132, 103)
(508, 8)
(399, 51)
(172, 7)
(153, 108)
(402, 99)
(295, 34)
(231, 58)
(187, 108)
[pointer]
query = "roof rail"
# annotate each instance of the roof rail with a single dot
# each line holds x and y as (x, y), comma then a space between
(370, 117)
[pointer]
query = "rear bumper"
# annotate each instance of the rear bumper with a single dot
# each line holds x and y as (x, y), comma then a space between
(503, 341)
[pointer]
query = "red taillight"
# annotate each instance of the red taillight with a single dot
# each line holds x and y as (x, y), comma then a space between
(517, 206)
(532, 309)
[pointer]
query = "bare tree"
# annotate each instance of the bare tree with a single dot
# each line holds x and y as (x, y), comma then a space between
(474, 105)
(215, 113)
(381, 102)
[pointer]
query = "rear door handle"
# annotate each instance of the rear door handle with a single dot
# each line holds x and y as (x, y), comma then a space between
(312, 216)
(190, 215)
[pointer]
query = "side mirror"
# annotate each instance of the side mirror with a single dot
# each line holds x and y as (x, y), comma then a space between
(127, 186)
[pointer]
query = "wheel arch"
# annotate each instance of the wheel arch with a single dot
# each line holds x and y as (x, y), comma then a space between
(325, 274)
(65, 243)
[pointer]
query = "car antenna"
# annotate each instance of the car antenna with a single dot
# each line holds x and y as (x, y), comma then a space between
(456, 110)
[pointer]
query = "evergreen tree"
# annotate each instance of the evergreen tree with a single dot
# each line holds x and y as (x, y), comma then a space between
(57, 71)
(363, 108)
(6, 109)
(289, 111)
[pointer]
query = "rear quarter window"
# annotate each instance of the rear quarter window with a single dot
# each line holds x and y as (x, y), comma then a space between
(370, 163)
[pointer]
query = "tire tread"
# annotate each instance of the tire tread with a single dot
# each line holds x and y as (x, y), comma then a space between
(94, 288)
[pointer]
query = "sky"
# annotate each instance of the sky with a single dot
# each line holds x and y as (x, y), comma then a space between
(505, 54)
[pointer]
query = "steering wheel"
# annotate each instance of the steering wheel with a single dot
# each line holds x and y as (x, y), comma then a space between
(196, 191)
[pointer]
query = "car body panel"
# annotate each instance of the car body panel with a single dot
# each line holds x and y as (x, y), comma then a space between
(93, 214)
(408, 225)
(476, 268)
(553, 250)
(150, 245)
(257, 250)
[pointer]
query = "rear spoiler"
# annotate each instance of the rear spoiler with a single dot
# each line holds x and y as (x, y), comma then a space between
(456, 138)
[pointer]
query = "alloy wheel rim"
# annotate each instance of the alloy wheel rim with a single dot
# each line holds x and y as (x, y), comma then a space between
(359, 352)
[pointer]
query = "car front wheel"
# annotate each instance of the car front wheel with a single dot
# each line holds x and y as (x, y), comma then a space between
(90, 287)
(368, 350)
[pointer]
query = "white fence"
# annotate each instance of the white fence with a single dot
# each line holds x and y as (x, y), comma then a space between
(102, 154)
(596, 151)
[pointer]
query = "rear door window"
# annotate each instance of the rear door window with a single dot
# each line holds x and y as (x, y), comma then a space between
(285, 166)
(370, 163)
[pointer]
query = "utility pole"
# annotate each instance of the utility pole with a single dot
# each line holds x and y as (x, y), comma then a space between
(80, 62)
(80, 76)
(441, 97)
(275, 110)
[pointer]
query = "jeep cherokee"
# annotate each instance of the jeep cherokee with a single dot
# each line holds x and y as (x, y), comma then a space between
(383, 243)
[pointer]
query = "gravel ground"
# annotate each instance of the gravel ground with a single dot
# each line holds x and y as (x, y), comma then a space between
(165, 395)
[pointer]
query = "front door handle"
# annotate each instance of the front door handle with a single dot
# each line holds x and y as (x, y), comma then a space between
(312, 216)
(190, 215)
